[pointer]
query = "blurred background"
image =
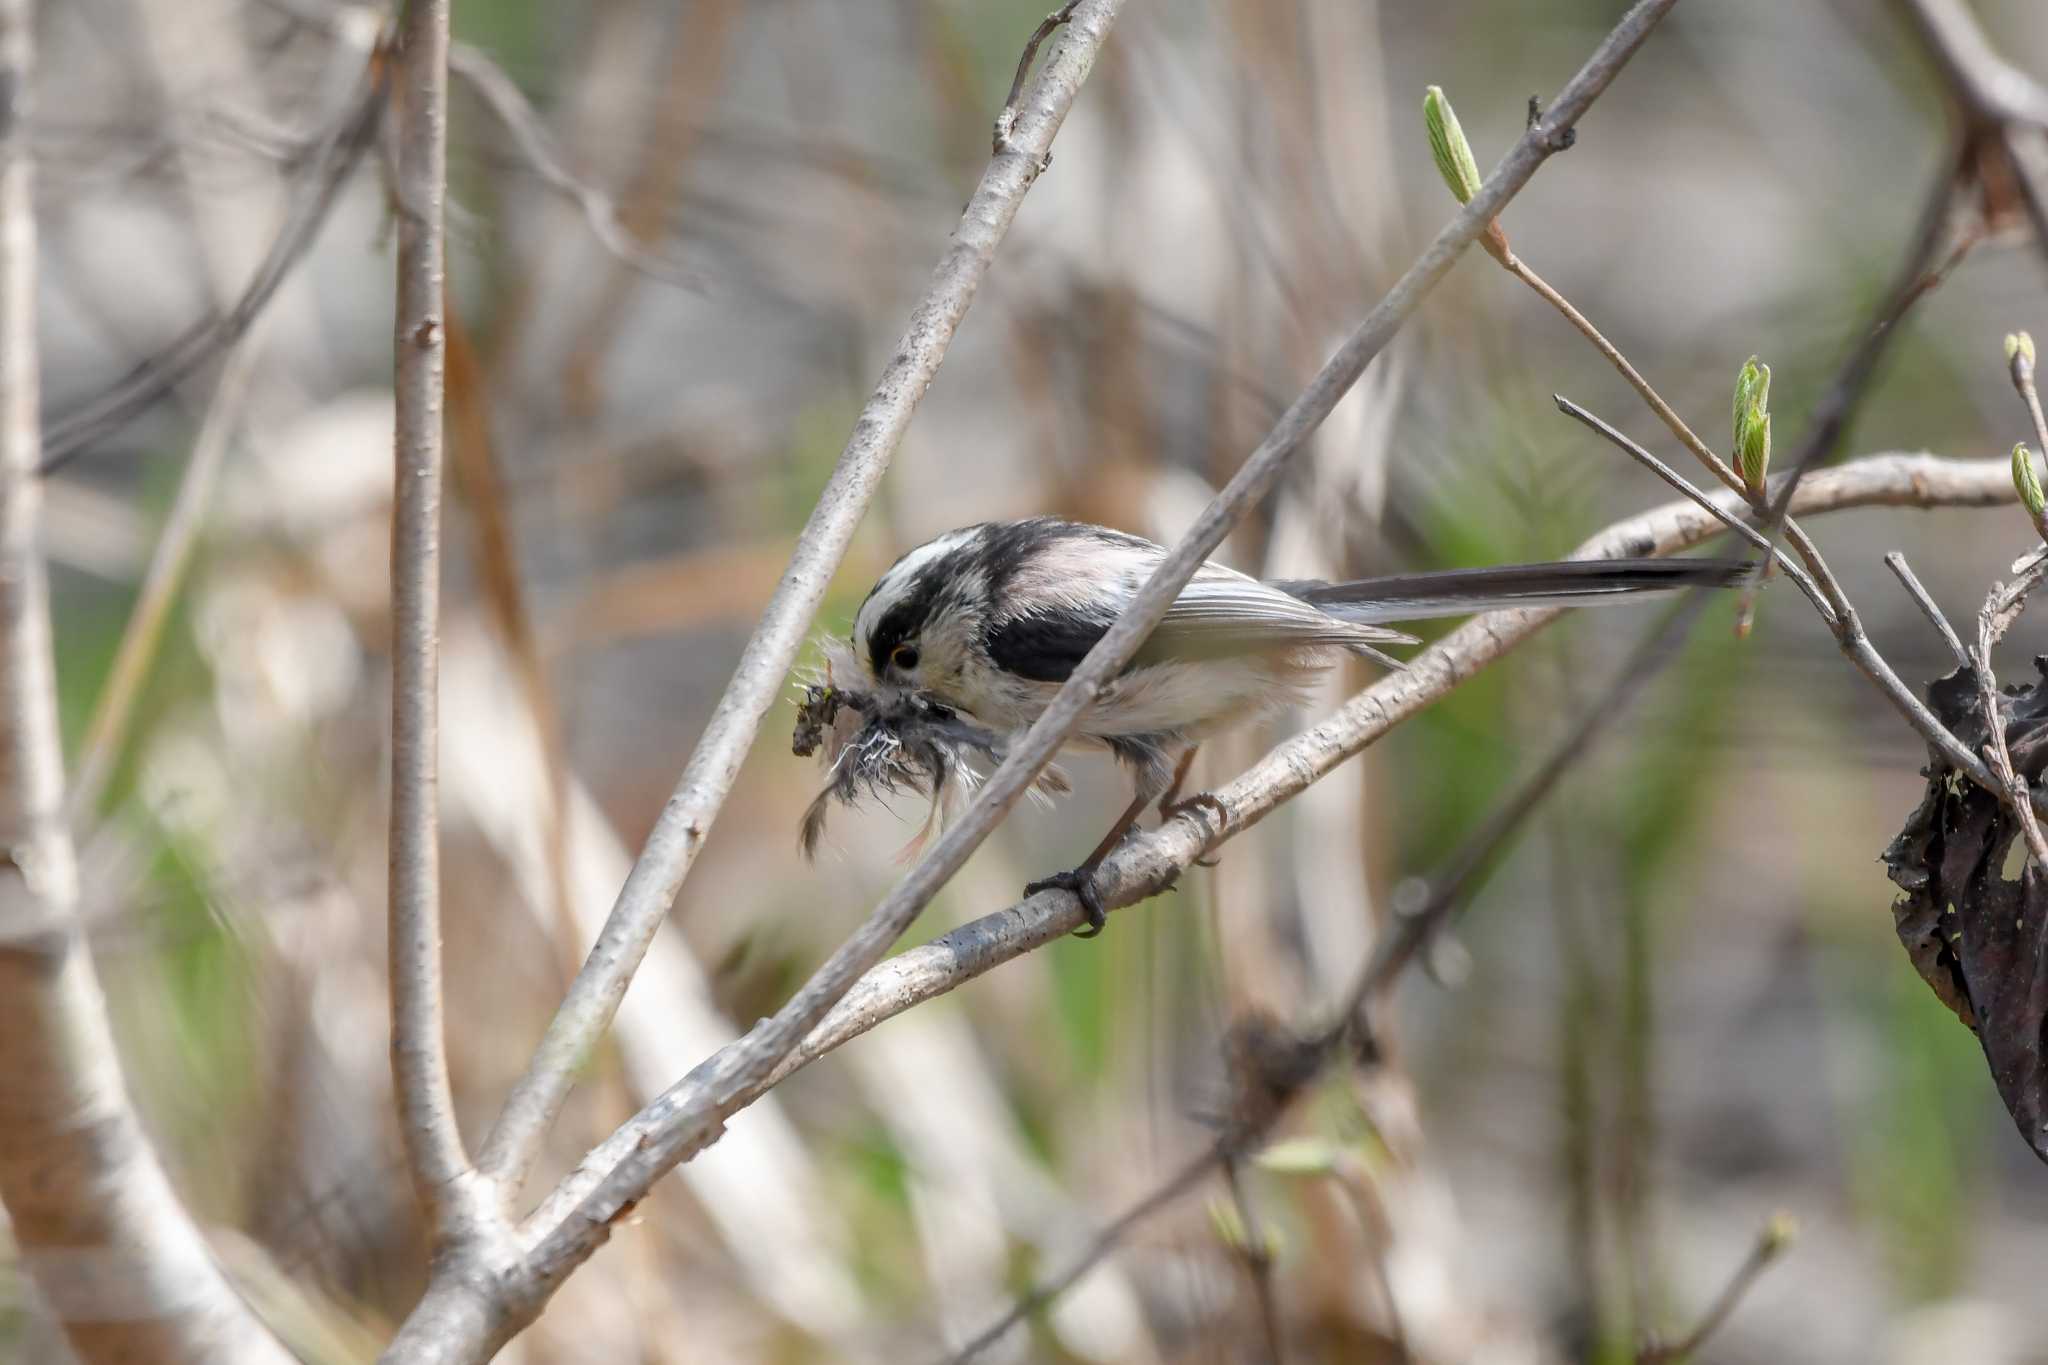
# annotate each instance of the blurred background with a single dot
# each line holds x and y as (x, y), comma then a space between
(1678, 1007)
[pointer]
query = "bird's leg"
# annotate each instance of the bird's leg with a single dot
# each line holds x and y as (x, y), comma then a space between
(1169, 801)
(1081, 880)
(1170, 805)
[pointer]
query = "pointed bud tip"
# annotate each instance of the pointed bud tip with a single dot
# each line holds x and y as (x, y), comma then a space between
(2019, 345)
(1753, 422)
(2027, 482)
(1447, 144)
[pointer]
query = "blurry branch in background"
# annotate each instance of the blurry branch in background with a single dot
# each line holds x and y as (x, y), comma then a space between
(2003, 110)
(1190, 1174)
(505, 101)
(1776, 1236)
(106, 732)
(577, 1218)
(111, 1249)
(685, 821)
(1410, 936)
(419, 1055)
(695, 67)
(327, 170)
(1266, 1066)
(1988, 161)
(1256, 1248)
(1006, 117)
(473, 460)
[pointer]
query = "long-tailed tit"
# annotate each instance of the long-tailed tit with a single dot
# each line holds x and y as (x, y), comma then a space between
(963, 642)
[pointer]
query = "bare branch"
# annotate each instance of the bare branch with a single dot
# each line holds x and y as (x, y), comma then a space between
(101, 1232)
(1404, 942)
(1770, 1243)
(1991, 95)
(1989, 88)
(1727, 517)
(1257, 1255)
(1665, 412)
(329, 169)
(2001, 608)
(578, 1217)
(686, 820)
(108, 728)
(1173, 1187)
(419, 1057)
(1922, 599)
(504, 99)
(1006, 118)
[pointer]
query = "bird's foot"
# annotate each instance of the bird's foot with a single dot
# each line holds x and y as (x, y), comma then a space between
(1207, 801)
(1080, 881)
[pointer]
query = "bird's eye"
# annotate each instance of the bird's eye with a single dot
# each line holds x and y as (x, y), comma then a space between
(904, 657)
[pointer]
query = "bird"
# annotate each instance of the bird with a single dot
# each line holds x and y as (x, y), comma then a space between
(965, 640)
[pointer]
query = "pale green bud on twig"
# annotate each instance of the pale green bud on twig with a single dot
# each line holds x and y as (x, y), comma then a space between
(2017, 345)
(1457, 165)
(1753, 423)
(1454, 160)
(1779, 1233)
(2028, 483)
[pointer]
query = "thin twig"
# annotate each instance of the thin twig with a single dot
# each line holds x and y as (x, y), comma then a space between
(79, 430)
(1989, 88)
(1405, 940)
(1924, 600)
(1006, 117)
(672, 847)
(505, 100)
(1770, 1243)
(2024, 155)
(1830, 418)
(478, 482)
(107, 730)
(1726, 516)
(1665, 412)
(1106, 1241)
(574, 1221)
(2002, 607)
(419, 1056)
(1257, 1255)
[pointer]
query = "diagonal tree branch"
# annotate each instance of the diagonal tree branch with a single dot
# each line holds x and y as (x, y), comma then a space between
(577, 1219)
(686, 820)
(100, 1230)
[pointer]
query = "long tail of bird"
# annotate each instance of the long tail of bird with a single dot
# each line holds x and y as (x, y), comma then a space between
(1461, 592)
